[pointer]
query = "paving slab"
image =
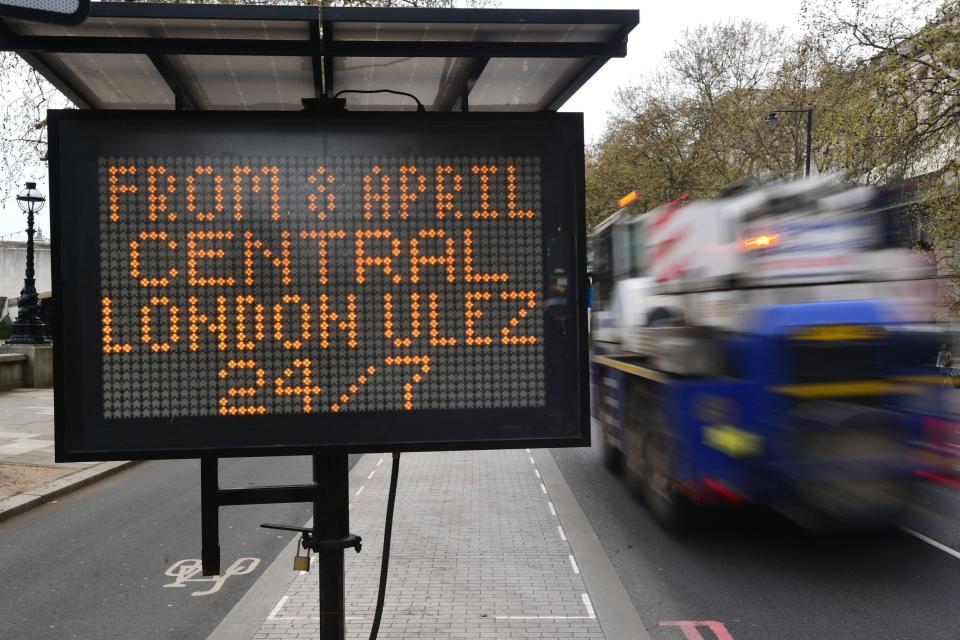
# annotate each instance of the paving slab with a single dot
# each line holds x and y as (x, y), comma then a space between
(480, 550)
(29, 475)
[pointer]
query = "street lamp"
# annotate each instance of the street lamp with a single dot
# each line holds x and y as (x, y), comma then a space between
(28, 327)
(773, 119)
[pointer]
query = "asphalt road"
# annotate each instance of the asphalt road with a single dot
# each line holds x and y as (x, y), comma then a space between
(92, 566)
(765, 579)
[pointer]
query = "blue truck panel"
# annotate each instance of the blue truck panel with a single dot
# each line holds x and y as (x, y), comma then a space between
(721, 439)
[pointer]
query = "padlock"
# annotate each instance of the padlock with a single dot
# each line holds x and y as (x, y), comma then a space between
(301, 562)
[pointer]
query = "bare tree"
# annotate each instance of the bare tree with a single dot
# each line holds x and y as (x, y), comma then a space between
(714, 60)
(697, 124)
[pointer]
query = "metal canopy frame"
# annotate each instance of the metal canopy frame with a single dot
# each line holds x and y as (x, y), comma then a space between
(322, 46)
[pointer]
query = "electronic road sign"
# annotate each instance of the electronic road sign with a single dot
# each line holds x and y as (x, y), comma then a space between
(267, 283)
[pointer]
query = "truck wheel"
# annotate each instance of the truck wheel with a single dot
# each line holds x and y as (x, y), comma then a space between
(667, 506)
(612, 457)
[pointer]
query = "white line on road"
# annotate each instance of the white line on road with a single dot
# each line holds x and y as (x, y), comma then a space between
(371, 474)
(591, 614)
(532, 461)
(586, 601)
(380, 461)
(573, 563)
(553, 511)
(543, 488)
(546, 617)
(932, 542)
(528, 450)
(563, 536)
(536, 471)
(276, 609)
(359, 491)
(283, 601)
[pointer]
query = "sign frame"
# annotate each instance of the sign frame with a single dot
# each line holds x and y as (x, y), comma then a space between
(71, 399)
(39, 15)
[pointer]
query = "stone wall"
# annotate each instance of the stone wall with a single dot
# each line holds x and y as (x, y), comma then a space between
(13, 262)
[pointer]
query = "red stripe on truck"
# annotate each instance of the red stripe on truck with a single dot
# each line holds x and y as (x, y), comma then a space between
(671, 209)
(664, 246)
(675, 270)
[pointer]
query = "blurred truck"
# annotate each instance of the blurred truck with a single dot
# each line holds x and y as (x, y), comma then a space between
(772, 345)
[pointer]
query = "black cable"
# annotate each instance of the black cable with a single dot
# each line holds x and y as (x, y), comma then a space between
(385, 556)
(420, 106)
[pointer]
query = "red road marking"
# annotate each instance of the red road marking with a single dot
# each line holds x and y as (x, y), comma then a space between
(691, 631)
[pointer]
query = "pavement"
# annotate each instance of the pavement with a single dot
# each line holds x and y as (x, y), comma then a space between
(486, 544)
(28, 473)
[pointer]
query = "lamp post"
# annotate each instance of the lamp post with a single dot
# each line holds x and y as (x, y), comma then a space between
(773, 119)
(28, 327)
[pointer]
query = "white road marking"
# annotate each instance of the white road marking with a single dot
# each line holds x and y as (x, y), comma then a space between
(359, 491)
(573, 563)
(563, 536)
(186, 571)
(553, 511)
(532, 461)
(528, 450)
(591, 614)
(586, 601)
(543, 488)
(380, 461)
(275, 614)
(536, 471)
(932, 542)
(371, 474)
(276, 610)
(546, 617)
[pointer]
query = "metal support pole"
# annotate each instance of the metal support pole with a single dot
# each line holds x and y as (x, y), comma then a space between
(331, 520)
(809, 139)
(209, 517)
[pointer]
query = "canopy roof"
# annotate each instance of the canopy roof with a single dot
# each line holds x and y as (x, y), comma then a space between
(233, 57)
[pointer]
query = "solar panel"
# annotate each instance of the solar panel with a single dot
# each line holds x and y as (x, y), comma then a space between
(522, 84)
(246, 83)
(116, 82)
(228, 57)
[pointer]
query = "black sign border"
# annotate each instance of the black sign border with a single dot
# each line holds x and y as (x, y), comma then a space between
(571, 426)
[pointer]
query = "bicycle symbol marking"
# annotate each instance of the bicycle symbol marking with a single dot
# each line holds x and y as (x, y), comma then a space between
(186, 571)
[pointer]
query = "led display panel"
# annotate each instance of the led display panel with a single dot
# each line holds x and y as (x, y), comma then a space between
(250, 284)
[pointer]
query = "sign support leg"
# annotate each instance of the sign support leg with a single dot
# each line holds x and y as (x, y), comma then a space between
(209, 516)
(331, 521)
